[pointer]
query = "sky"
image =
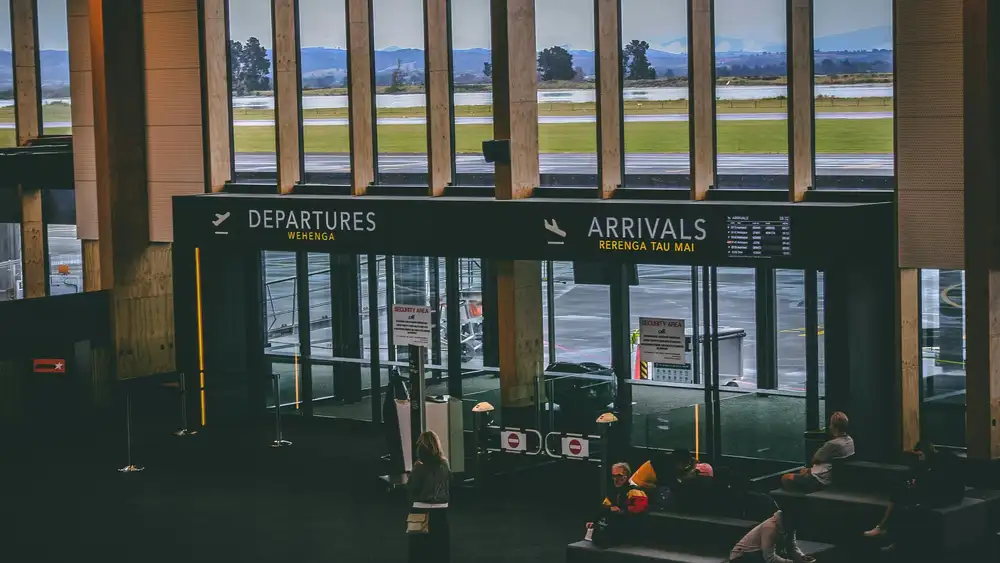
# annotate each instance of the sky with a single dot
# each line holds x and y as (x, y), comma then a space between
(52, 26)
(399, 23)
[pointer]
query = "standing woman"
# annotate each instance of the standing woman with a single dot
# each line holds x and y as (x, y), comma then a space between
(430, 490)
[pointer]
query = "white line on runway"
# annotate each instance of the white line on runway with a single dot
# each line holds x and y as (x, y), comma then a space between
(565, 119)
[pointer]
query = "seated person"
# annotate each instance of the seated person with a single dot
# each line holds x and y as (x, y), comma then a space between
(662, 475)
(820, 475)
(692, 487)
(771, 541)
(689, 467)
(933, 482)
(624, 501)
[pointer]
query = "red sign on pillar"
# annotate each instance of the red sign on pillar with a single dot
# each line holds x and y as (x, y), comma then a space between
(50, 366)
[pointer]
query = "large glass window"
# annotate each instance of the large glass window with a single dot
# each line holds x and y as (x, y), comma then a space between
(53, 59)
(655, 90)
(10, 262)
(473, 76)
(65, 260)
(791, 317)
(753, 424)
(942, 348)
(323, 56)
(252, 98)
(8, 138)
(751, 91)
(399, 81)
(281, 318)
(668, 409)
(854, 91)
(320, 306)
(582, 313)
(567, 118)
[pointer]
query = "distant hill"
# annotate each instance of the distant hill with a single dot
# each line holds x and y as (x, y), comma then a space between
(865, 50)
(54, 66)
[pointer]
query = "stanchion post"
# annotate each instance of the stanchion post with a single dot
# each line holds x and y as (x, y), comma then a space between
(481, 411)
(279, 439)
(131, 467)
(418, 416)
(182, 385)
(605, 421)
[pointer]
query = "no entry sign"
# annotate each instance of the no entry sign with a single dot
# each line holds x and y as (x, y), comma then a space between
(576, 447)
(513, 441)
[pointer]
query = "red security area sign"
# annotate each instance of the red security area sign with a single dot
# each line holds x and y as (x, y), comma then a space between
(49, 366)
(576, 447)
(513, 441)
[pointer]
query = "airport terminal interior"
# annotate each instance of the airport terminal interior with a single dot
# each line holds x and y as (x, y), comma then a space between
(250, 249)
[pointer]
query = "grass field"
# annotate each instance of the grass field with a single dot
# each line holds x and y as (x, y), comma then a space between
(833, 136)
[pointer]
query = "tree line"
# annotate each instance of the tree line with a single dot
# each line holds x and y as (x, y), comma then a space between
(250, 66)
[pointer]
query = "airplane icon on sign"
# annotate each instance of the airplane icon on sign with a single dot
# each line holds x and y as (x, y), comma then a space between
(553, 227)
(220, 218)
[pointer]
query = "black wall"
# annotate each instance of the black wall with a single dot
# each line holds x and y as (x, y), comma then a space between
(860, 355)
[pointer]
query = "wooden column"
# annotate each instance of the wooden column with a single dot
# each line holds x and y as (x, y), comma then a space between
(81, 86)
(908, 355)
(608, 40)
(801, 105)
(701, 96)
(287, 86)
(360, 91)
(515, 101)
(145, 66)
(437, 85)
(519, 283)
(218, 137)
(982, 227)
(28, 108)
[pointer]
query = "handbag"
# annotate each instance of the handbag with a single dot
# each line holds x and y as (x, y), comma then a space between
(418, 523)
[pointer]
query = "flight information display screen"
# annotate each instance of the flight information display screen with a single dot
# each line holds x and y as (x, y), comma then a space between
(749, 237)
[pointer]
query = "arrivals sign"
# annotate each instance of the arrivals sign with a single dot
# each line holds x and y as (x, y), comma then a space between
(653, 232)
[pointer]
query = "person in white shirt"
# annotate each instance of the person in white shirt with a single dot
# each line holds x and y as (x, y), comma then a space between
(770, 542)
(820, 475)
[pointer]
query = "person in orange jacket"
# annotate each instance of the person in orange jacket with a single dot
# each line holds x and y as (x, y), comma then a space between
(624, 501)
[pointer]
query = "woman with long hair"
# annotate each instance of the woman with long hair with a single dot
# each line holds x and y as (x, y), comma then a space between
(430, 491)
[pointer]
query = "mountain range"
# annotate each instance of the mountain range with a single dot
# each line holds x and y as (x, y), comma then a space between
(325, 67)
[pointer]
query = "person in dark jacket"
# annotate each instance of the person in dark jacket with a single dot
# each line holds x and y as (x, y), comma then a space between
(430, 491)
(933, 482)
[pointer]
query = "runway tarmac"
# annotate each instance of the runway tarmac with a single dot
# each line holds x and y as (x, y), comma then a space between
(564, 119)
(570, 163)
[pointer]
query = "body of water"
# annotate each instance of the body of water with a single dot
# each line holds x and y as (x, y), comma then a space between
(560, 96)
(582, 96)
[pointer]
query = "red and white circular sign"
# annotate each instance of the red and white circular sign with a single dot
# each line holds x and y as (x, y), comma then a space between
(575, 447)
(513, 440)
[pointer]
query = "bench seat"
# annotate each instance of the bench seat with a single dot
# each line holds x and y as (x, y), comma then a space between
(662, 528)
(835, 515)
(587, 552)
(870, 475)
